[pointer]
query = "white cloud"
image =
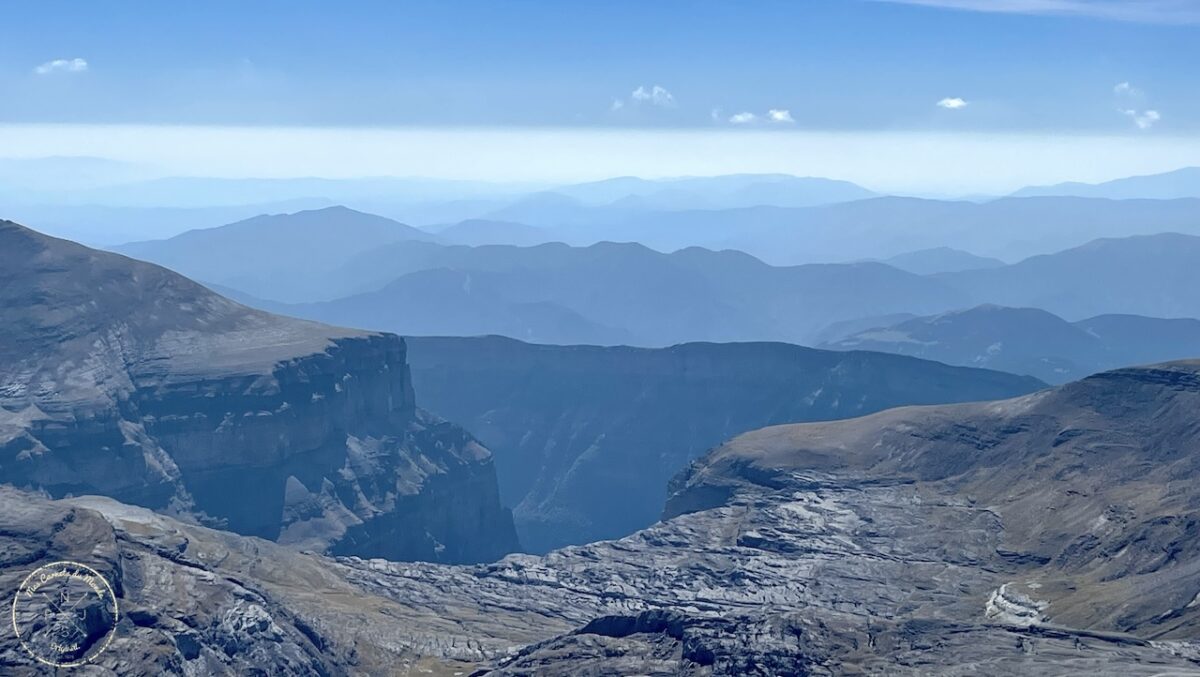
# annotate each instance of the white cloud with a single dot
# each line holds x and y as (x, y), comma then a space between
(656, 96)
(952, 103)
(1131, 101)
(774, 115)
(780, 115)
(1126, 89)
(716, 114)
(1143, 119)
(62, 66)
(1144, 11)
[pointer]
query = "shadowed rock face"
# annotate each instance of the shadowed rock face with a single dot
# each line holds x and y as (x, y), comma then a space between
(1048, 534)
(123, 379)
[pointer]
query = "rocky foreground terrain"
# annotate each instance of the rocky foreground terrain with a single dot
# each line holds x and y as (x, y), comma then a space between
(123, 379)
(1054, 533)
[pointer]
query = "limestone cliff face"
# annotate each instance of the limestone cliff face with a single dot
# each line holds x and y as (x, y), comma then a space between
(121, 378)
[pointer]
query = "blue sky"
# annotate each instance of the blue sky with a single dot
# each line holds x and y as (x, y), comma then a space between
(1102, 71)
(832, 64)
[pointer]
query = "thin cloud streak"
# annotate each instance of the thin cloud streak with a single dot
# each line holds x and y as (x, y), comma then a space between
(1141, 11)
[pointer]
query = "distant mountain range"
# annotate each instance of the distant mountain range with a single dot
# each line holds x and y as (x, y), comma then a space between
(612, 293)
(584, 213)
(349, 268)
(1009, 229)
(109, 202)
(716, 192)
(1032, 341)
(571, 427)
(1181, 183)
(878, 228)
(727, 191)
(606, 293)
(101, 181)
(784, 220)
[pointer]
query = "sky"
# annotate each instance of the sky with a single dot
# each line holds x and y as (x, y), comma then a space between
(1108, 81)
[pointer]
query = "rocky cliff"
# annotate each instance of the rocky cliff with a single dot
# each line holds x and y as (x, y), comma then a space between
(123, 379)
(572, 427)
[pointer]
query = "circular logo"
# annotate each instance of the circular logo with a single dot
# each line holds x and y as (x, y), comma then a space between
(65, 614)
